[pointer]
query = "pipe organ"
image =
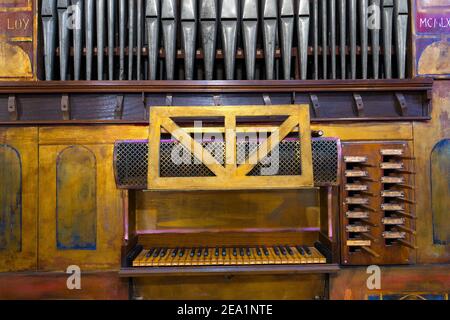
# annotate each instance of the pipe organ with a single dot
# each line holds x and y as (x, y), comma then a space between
(223, 149)
(226, 40)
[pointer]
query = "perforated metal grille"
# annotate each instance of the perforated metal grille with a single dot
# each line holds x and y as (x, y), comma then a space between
(325, 161)
(285, 161)
(177, 161)
(131, 161)
(131, 164)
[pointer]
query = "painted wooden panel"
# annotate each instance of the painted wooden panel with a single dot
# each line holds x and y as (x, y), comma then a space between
(227, 210)
(88, 173)
(53, 286)
(431, 38)
(440, 192)
(426, 135)
(18, 199)
(266, 287)
(10, 199)
(406, 282)
(76, 200)
(18, 31)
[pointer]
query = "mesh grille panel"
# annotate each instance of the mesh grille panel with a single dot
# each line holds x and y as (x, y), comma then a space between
(131, 164)
(325, 161)
(131, 161)
(180, 162)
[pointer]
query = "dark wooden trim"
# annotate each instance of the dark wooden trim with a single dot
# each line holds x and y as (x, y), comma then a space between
(228, 270)
(146, 123)
(260, 86)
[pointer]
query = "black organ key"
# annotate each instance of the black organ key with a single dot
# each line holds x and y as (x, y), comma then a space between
(249, 252)
(216, 253)
(199, 252)
(307, 250)
(149, 253)
(266, 252)
(234, 252)
(156, 253)
(283, 250)
(258, 251)
(174, 253)
(163, 252)
(241, 252)
(289, 250)
(181, 252)
(300, 250)
(224, 252)
(277, 251)
(206, 253)
(192, 254)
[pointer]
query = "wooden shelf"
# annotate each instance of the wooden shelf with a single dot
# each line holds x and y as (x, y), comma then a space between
(217, 86)
(228, 270)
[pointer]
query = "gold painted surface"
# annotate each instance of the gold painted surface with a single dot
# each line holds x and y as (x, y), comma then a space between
(86, 135)
(18, 39)
(435, 59)
(14, 62)
(109, 214)
(426, 135)
(24, 140)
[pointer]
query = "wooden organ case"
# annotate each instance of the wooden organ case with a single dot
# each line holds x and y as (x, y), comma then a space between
(212, 149)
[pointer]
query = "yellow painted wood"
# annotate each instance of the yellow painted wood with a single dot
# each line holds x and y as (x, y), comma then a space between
(109, 213)
(426, 135)
(367, 131)
(24, 140)
(86, 135)
(226, 179)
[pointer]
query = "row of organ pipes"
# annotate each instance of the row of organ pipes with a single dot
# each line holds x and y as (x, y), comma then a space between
(153, 39)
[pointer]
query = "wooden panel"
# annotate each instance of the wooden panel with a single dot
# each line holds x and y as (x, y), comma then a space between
(86, 135)
(426, 135)
(213, 237)
(440, 192)
(109, 214)
(366, 131)
(112, 133)
(18, 31)
(230, 288)
(10, 199)
(227, 210)
(76, 199)
(18, 200)
(42, 286)
(350, 283)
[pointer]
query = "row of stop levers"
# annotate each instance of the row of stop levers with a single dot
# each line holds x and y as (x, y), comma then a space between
(142, 32)
(204, 256)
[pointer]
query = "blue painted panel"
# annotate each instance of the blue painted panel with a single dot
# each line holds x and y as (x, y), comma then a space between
(440, 192)
(76, 199)
(10, 199)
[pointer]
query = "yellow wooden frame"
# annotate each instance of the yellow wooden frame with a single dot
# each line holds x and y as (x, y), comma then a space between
(230, 176)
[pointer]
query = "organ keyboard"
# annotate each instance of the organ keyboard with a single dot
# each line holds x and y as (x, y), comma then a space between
(223, 256)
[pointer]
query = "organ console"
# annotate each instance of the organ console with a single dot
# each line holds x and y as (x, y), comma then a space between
(262, 149)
